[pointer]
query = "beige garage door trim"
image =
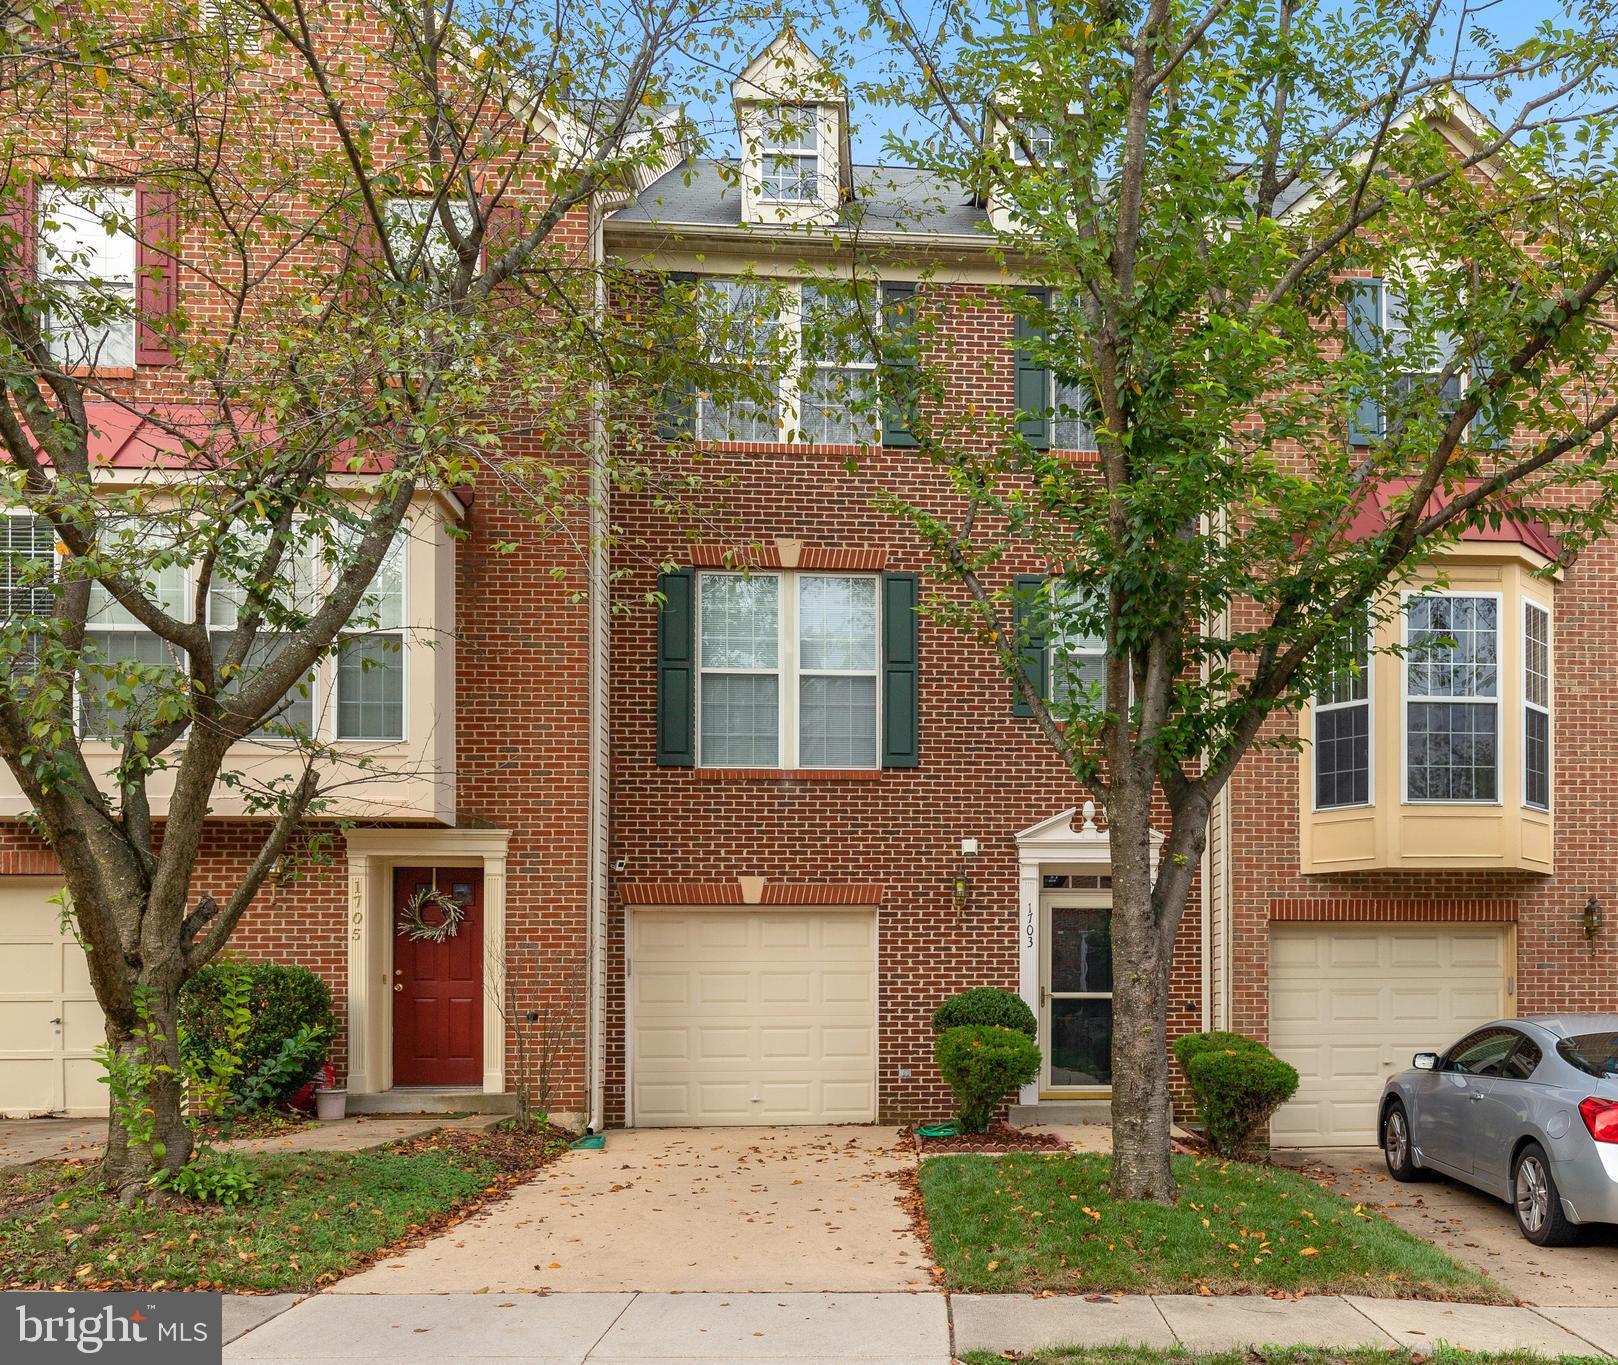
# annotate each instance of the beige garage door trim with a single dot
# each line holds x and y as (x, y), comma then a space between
(50, 1023)
(1350, 1004)
(751, 1016)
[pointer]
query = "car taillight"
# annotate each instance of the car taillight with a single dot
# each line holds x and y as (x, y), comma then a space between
(1601, 1118)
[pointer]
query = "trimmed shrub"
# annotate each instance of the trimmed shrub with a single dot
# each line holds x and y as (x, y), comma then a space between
(980, 1063)
(292, 1027)
(1194, 1044)
(1238, 1084)
(987, 1007)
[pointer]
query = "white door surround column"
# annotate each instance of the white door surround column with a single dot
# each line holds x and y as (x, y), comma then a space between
(372, 856)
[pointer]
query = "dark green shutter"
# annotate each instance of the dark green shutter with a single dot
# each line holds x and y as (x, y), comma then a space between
(677, 412)
(899, 671)
(899, 324)
(677, 670)
(1365, 336)
(1032, 392)
(1484, 433)
(1031, 626)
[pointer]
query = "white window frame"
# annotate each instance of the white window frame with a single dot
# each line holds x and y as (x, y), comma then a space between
(1497, 701)
(774, 154)
(403, 538)
(1531, 605)
(793, 388)
(402, 209)
(1054, 635)
(234, 22)
(65, 276)
(787, 671)
(1368, 701)
(320, 687)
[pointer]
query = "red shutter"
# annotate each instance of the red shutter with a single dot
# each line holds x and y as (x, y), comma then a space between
(21, 221)
(157, 273)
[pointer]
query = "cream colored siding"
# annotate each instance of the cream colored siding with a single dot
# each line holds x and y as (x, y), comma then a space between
(1350, 1004)
(50, 1023)
(743, 1017)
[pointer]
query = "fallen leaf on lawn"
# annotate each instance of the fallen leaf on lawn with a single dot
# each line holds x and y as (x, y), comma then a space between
(1308, 1251)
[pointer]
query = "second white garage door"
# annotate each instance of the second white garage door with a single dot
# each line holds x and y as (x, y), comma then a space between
(741, 1017)
(50, 1023)
(1350, 1004)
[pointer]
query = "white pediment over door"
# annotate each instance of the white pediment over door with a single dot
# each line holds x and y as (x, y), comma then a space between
(1073, 837)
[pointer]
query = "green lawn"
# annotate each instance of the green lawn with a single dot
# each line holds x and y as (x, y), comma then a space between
(1292, 1355)
(321, 1215)
(1036, 1221)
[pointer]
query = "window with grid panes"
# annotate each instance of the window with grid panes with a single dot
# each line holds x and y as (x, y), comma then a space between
(371, 655)
(1452, 705)
(1536, 706)
(1342, 716)
(86, 254)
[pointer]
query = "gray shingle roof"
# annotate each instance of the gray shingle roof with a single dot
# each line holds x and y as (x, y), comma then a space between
(887, 199)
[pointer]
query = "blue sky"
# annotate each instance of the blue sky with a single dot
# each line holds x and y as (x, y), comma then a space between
(1511, 20)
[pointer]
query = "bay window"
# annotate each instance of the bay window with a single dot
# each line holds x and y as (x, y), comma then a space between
(1342, 716)
(87, 258)
(1452, 698)
(788, 666)
(227, 595)
(1536, 706)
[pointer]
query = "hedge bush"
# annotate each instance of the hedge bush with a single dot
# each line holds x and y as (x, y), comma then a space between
(284, 1000)
(980, 1063)
(988, 1007)
(1237, 1083)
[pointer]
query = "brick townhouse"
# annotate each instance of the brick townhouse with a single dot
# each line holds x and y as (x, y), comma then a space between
(766, 829)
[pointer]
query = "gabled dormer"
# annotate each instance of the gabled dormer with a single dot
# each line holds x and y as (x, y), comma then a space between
(1022, 143)
(792, 114)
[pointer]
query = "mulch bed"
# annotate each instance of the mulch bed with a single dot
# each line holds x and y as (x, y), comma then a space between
(515, 1153)
(265, 1123)
(1001, 1137)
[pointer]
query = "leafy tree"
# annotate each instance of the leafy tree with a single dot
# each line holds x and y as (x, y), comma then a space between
(1192, 184)
(379, 216)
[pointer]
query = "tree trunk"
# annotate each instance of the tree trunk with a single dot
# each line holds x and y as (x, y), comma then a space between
(1140, 1000)
(146, 1128)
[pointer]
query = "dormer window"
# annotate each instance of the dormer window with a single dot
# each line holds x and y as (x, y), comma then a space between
(1032, 144)
(789, 156)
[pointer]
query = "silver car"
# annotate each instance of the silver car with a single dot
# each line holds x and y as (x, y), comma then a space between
(1526, 1110)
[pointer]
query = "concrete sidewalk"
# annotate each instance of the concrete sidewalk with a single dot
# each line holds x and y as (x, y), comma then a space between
(623, 1329)
(862, 1329)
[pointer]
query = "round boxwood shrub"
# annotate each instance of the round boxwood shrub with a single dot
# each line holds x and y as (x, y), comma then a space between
(989, 1007)
(980, 1063)
(284, 1001)
(1238, 1084)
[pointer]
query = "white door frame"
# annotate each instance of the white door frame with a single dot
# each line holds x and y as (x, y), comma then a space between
(1054, 845)
(372, 856)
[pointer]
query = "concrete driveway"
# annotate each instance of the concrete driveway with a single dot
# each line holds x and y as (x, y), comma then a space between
(728, 1210)
(1478, 1230)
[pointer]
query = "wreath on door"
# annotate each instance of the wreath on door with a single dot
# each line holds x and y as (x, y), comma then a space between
(414, 923)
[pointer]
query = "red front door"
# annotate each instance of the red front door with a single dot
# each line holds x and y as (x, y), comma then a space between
(438, 987)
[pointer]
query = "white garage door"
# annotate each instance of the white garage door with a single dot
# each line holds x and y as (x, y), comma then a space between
(50, 1024)
(753, 1017)
(1350, 1004)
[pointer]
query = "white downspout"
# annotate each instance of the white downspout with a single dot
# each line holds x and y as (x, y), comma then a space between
(600, 737)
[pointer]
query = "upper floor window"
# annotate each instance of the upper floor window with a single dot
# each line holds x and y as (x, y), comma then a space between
(87, 256)
(1032, 144)
(235, 20)
(789, 154)
(371, 656)
(787, 670)
(1536, 706)
(27, 574)
(837, 388)
(1078, 662)
(419, 241)
(1342, 713)
(1452, 698)
(1054, 409)
(109, 698)
(743, 322)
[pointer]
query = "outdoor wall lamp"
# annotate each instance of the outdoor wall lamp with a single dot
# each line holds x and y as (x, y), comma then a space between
(961, 890)
(1592, 918)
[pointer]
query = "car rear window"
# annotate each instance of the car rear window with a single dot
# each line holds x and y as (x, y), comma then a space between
(1595, 1053)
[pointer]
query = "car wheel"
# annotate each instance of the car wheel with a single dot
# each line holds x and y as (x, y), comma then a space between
(1396, 1146)
(1538, 1202)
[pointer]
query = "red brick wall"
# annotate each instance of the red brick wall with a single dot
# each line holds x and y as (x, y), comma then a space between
(984, 773)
